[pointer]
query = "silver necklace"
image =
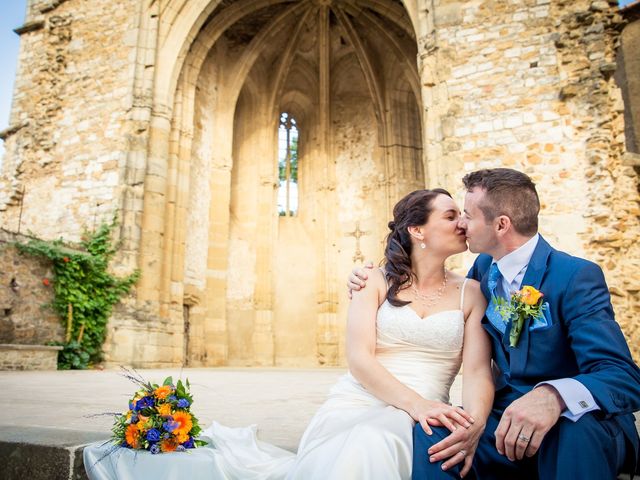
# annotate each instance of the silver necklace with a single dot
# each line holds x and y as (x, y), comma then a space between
(429, 300)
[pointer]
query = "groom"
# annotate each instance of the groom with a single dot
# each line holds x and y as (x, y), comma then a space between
(566, 391)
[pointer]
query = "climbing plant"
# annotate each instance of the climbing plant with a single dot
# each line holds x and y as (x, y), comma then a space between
(85, 291)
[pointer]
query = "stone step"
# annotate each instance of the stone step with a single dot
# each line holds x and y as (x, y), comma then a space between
(44, 453)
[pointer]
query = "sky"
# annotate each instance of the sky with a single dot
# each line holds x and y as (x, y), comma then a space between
(12, 16)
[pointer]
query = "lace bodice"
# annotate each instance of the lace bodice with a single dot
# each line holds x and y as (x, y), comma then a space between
(439, 331)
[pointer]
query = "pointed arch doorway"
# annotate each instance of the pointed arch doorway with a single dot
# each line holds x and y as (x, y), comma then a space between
(267, 286)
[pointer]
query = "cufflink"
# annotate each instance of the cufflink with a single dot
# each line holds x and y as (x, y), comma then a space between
(583, 404)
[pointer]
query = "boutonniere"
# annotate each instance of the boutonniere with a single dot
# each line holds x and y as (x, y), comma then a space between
(525, 303)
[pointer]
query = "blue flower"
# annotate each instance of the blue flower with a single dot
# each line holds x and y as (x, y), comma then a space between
(153, 435)
(180, 448)
(170, 425)
(171, 398)
(144, 402)
(183, 403)
(155, 448)
(189, 443)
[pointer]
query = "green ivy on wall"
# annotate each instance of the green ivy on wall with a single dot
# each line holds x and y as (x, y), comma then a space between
(84, 291)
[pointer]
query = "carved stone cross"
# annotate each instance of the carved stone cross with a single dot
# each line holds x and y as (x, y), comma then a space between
(357, 233)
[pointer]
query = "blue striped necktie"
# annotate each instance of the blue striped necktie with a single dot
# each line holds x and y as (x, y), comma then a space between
(495, 277)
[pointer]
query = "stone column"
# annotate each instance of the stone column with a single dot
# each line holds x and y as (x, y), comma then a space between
(327, 295)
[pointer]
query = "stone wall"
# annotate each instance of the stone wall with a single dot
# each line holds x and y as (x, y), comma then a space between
(628, 76)
(65, 146)
(127, 106)
(26, 287)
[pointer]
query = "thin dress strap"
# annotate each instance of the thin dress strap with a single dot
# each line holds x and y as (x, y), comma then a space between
(464, 284)
(384, 274)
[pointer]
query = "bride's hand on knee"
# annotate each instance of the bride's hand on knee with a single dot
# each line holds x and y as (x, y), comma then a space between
(430, 413)
(459, 446)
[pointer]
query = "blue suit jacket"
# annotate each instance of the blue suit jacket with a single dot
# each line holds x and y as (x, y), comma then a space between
(582, 339)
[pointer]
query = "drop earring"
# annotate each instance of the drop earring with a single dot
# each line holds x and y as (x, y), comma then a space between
(422, 245)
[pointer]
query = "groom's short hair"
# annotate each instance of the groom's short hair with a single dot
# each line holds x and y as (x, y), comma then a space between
(510, 193)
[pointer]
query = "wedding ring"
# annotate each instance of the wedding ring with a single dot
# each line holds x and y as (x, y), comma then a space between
(524, 438)
(463, 452)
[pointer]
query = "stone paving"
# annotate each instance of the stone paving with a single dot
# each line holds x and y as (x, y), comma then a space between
(280, 401)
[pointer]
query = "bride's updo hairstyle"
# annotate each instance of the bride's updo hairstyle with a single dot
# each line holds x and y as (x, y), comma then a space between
(412, 211)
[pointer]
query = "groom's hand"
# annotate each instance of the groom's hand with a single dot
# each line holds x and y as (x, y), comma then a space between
(358, 278)
(459, 446)
(526, 421)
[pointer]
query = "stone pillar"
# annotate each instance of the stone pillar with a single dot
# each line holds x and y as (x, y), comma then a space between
(153, 217)
(216, 323)
(328, 340)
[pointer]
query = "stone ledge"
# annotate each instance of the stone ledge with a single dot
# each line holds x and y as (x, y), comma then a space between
(29, 27)
(44, 453)
(28, 357)
(46, 348)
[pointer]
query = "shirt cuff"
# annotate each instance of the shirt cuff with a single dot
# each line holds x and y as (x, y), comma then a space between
(576, 396)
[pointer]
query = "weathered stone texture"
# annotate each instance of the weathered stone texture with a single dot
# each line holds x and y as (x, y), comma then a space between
(167, 112)
(24, 316)
(66, 148)
(28, 357)
(628, 76)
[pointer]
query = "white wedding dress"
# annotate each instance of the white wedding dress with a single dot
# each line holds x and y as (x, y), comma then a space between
(354, 435)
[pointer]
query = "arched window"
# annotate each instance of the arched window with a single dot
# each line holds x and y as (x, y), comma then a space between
(288, 166)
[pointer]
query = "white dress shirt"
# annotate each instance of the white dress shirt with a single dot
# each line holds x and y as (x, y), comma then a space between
(513, 267)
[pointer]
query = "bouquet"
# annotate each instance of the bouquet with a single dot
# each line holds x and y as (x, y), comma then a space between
(158, 418)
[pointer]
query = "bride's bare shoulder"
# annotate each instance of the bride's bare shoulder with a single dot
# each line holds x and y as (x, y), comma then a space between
(473, 296)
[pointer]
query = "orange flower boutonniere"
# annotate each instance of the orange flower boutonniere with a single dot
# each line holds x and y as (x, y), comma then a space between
(525, 303)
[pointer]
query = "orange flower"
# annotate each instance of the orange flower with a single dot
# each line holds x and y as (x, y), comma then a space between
(182, 437)
(530, 295)
(164, 410)
(168, 445)
(163, 391)
(184, 422)
(132, 434)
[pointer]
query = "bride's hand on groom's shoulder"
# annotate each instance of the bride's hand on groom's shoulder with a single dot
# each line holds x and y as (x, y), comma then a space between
(459, 446)
(437, 414)
(358, 277)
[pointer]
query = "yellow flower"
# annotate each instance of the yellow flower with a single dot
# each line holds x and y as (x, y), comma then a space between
(184, 421)
(164, 410)
(530, 295)
(163, 391)
(142, 425)
(182, 437)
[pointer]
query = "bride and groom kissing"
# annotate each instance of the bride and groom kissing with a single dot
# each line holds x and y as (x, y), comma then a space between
(564, 395)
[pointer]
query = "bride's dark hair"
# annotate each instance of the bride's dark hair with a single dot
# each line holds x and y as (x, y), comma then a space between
(413, 210)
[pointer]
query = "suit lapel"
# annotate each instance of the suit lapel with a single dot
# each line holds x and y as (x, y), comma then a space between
(533, 277)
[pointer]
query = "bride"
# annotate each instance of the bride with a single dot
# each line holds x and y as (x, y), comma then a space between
(404, 348)
(404, 342)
